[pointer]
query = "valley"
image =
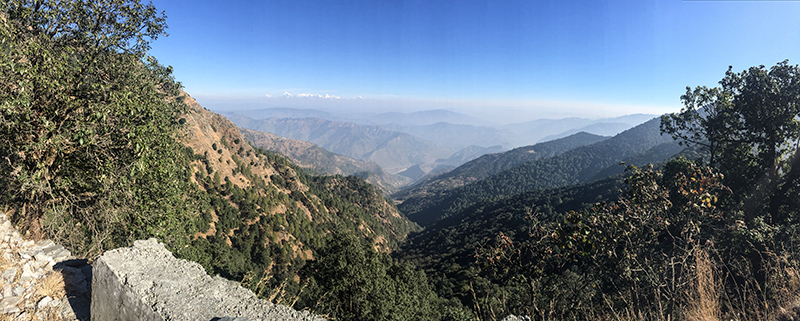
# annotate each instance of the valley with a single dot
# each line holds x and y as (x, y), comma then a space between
(417, 144)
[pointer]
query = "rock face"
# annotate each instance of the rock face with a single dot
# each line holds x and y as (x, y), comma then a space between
(145, 282)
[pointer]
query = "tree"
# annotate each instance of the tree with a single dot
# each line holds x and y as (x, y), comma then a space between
(751, 121)
(88, 122)
(622, 253)
(354, 282)
(750, 127)
(701, 121)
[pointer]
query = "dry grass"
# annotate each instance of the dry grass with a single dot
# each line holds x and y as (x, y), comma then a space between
(52, 286)
(703, 303)
(706, 292)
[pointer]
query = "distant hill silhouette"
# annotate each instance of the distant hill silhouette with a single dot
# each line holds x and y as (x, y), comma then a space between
(578, 165)
(426, 117)
(491, 164)
(393, 151)
(540, 130)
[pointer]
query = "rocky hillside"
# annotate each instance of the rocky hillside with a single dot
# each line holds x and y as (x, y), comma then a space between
(265, 215)
(41, 280)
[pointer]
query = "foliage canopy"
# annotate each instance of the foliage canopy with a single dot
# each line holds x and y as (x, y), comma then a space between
(88, 122)
(750, 127)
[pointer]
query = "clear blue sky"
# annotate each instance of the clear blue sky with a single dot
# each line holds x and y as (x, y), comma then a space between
(593, 58)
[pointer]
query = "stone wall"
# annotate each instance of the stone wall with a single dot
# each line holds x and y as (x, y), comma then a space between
(145, 282)
(40, 280)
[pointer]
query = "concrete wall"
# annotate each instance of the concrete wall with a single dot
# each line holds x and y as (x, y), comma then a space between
(145, 282)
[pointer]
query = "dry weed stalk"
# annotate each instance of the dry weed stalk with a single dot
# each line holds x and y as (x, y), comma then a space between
(703, 300)
(278, 293)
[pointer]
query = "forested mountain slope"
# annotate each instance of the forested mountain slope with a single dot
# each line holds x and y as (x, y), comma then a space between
(264, 215)
(228, 157)
(578, 165)
(451, 242)
(446, 249)
(491, 164)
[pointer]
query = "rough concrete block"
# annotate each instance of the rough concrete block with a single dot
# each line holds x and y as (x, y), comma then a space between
(113, 299)
(145, 282)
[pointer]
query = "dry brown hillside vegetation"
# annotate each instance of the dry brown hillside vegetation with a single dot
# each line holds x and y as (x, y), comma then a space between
(227, 156)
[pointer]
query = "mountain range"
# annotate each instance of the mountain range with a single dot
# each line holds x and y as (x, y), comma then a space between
(393, 151)
(416, 144)
(319, 160)
(490, 164)
(258, 193)
(427, 203)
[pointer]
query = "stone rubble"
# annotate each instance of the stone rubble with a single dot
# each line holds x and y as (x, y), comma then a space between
(31, 274)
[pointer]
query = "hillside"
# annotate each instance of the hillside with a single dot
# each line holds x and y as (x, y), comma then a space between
(265, 215)
(446, 249)
(578, 165)
(491, 164)
(319, 160)
(453, 240)
(392, 151)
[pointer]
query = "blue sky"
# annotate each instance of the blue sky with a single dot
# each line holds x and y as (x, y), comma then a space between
(531, 58)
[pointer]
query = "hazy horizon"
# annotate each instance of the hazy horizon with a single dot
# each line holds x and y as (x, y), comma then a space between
(364, 108)
(502, 61)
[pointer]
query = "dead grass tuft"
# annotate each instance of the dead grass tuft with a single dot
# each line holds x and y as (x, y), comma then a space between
(52, 286)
